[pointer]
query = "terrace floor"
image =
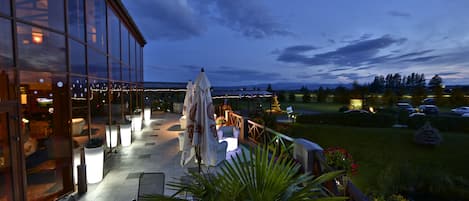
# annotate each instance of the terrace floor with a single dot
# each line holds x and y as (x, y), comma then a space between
(154, 149)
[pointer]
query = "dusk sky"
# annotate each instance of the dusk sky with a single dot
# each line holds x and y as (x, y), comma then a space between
(241, 42)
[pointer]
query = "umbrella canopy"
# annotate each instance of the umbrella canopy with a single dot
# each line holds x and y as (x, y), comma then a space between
(187, 149)
(201, 126)
(188, 98)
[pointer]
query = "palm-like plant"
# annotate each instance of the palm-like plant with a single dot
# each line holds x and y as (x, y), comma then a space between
(256, 178)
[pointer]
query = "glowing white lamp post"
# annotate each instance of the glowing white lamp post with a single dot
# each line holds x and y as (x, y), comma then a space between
(137, 122)
(147, 114)
(126, 134)
(111, 136)
(94, 159)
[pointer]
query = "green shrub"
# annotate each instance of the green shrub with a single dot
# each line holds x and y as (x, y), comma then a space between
(442, 123)
(349, 119)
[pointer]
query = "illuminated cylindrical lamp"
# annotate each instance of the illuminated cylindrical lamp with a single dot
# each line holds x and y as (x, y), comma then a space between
(147, 114)
(94, 159)
(137, 122)
(126, 134)
(111, 136)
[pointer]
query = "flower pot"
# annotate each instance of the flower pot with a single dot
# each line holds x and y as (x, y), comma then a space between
(94, 159)
(111, 135)
(126, 134)
(147, 114)
(137, 122)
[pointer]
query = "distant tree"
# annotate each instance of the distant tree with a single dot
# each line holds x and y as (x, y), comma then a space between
(377, 86)
(269, 88)
(436, 81)
(418, 94)
(341, 95)
(457, 97)
(436, 85)
(389, 97)
(281, 96)
(306, 94)
(321, 95)
(291, 97)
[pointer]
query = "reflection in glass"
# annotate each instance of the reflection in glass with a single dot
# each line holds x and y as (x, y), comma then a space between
(46, 129)
(42, 12)
(5, 8)
(125, 45)
(96, 23)
(114, 30)
(77, 58)
(6, 42)
(99, 104)
(76, 19)
(125, 73)
(40, 50)
(115, 69)
(97, 64)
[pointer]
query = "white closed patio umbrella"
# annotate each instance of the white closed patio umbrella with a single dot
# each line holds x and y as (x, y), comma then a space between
(187, 148)
(201, 126)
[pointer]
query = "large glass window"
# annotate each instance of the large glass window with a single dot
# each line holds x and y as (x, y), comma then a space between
(40, 50)
(48, 13)
(5, 8)
(46, 137)
(6, 44)
(115, 69)
(96, 23)
(76, 19)
(114, 34)
(132, 52)
(99, 103)
(125, 45)
(77, 58)
(97, 64)
(126, 73)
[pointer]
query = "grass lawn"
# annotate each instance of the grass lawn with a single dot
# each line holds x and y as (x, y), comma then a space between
(380, 152)
(317, 107)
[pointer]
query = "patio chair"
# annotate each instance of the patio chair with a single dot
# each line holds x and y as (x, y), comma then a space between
(150, 183)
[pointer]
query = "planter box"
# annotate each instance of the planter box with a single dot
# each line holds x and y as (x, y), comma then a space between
(111, 136)
(126, 134)
(94, 159)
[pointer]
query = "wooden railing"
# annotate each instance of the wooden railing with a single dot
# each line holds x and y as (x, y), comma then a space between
(259, 134)
(256, 134)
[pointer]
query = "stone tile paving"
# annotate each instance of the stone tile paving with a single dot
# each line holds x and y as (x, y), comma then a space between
(154, 149)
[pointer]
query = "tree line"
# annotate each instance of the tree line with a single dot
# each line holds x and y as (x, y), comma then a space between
(385, 90)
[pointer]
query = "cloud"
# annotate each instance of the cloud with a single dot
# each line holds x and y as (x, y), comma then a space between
(173, 20)
(235, 74)
(250, 18)
(421, 59)
(300, 48)
(354, 54)
(448, 73)
(395, 13)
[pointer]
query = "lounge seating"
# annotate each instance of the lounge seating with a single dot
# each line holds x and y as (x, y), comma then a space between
(77, 125)
(230, 135)
(221, 152)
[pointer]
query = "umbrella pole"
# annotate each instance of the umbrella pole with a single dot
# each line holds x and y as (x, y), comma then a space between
(197, 155)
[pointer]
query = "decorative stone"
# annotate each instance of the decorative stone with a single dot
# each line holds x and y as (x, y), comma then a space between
(427, 135)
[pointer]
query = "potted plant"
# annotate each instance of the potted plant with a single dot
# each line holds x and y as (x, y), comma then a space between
(111, 134)
(126, 133)
(255, 176)
(94, 159)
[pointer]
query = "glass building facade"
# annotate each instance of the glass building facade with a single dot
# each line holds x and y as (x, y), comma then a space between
(68, 68)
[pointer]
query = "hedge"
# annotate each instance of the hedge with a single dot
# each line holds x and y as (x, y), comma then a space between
(350, 119)
(442, 123)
